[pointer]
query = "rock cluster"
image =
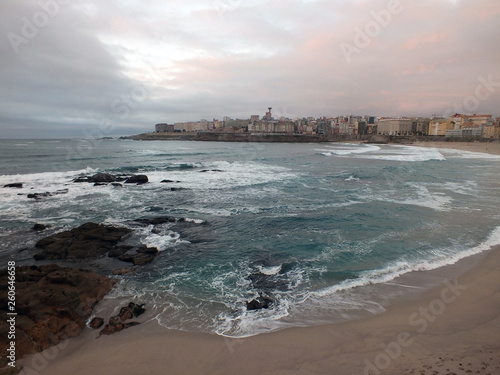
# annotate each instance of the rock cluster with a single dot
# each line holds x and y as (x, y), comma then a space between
(38, 196)
(119, 322)
(52, 303)
(91, 241)
(261, 302)
(107, 178)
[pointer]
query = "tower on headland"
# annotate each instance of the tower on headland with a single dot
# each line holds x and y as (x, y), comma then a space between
(268, 116)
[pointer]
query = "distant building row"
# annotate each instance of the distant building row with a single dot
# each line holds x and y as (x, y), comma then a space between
(457, 125)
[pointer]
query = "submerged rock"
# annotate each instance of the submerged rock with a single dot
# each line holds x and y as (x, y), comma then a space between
(211, 170)
(138, 255)
(38, 196)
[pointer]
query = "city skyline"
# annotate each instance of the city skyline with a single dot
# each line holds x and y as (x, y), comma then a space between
(70, 67)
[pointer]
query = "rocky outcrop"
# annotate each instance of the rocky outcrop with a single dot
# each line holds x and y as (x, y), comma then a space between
(39, 227)
(137, 179)
(138, 255)
(261, 302)
(52, 303)
(102, 177)
(38, 196)
(17, 185)
(92, 241)
(89, 240)
(96, 323)
(118, 322)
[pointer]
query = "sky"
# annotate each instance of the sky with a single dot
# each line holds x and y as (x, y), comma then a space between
(74, 68)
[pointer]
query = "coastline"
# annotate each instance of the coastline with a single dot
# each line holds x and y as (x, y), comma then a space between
(451, 328)
(492, 148)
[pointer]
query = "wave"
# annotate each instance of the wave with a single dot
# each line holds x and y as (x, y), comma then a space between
(389, 153)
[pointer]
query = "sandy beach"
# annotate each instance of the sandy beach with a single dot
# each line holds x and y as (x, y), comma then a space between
(492, 148)
(451, 329)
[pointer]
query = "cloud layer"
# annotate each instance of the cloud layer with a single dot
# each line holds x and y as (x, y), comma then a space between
(122, 65)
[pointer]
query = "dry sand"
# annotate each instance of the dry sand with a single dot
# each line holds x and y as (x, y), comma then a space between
(485, 147)
(452, 329)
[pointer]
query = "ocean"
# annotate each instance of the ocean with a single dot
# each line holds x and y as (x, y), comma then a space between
(312, 226)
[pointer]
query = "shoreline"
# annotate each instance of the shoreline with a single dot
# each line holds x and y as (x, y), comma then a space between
(492, 148)
(452, 326)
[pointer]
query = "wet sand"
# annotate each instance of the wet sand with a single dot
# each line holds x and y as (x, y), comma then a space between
(451, 329)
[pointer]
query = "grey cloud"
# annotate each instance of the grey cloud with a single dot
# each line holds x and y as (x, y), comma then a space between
(186, 61)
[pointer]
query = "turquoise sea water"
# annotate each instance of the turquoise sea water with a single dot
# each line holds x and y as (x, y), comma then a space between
(310, 225)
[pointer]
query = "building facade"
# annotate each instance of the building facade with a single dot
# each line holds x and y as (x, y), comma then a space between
(394, 126)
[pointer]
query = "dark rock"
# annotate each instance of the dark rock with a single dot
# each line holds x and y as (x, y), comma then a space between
(261, 302)
(176, 189)
(96, 323)
(138, 255)
(114, 320)
(101, 184)
(122, 177)
(157, 220)
(102, 177)
(138, 179)
(116, 184)
(53, 304)
(82, 179)
(211, 170)
(142, 259)
(117, 322)
(109, 329)
(17, 185)
(38, 196)
(39, 227)
(89, 240)
(137, 309)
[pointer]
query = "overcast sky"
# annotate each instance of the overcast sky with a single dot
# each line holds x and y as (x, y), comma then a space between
(74, 67)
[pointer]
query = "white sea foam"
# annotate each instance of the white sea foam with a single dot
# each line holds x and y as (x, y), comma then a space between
(344, 149)
(390, 152)
(444, 257)
(468, 154)
(269, 271)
